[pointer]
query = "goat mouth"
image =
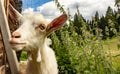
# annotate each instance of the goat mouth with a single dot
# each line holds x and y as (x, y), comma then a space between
(17, 43)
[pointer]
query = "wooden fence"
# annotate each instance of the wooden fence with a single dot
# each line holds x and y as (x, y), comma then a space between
(5, 30)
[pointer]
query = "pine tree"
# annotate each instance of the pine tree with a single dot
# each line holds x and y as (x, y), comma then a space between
(110, 22)
(80, 23)
(102, 26)
(117, 3)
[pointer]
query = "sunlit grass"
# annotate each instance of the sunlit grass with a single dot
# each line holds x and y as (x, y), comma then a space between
(111, 46)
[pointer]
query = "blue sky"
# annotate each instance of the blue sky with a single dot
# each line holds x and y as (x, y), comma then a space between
(33, 3)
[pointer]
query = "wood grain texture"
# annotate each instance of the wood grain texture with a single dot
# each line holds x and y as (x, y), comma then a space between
(12, 59)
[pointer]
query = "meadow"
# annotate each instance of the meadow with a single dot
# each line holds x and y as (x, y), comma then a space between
(113, 49)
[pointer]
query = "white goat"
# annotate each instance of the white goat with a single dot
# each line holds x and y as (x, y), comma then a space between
(32, 37)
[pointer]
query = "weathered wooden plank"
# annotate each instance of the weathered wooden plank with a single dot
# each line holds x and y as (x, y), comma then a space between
(12, 59)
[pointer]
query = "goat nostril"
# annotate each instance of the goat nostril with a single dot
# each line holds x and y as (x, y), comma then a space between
(16, 35)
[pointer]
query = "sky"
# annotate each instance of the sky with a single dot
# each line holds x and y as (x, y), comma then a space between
(33, 3)
(86, 7)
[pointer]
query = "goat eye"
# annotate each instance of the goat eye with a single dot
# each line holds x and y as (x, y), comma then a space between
(42, 26)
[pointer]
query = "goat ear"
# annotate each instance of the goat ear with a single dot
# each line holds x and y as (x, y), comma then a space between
(14, 14)
(56, 23)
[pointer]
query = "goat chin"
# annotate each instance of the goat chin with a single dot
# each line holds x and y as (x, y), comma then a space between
(18, 47)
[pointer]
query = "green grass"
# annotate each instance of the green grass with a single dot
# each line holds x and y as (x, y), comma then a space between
(23, 56)
(111, 46)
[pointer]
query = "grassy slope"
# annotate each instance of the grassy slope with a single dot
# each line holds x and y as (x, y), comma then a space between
(111, 46)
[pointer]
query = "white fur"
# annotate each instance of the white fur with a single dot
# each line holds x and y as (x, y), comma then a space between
(41, 58)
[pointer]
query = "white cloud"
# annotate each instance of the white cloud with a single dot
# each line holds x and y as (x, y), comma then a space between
(49, 10)
(28, 10)
(87, 7)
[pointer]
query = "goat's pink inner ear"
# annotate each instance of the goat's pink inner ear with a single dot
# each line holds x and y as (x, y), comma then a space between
(56, 23)
(14, 14)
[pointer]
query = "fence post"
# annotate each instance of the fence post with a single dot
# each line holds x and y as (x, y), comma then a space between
(11, 56)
